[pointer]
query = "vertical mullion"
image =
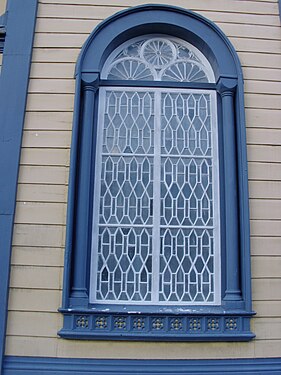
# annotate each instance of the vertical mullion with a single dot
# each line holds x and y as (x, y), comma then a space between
(156, 198)
(97, 193)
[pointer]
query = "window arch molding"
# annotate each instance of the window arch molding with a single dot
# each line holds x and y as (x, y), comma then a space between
(231, 319)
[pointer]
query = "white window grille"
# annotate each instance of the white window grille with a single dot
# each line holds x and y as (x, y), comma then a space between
(158, 58)
(156, 205)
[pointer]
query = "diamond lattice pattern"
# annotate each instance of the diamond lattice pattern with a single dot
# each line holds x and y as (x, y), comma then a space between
(140, 199)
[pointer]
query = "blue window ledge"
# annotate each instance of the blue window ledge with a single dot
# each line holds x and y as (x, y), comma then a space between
(205, 327)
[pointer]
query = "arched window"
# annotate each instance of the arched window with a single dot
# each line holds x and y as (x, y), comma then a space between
(158, 238)
(156, 206)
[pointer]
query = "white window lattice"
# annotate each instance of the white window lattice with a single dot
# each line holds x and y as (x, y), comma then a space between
(158, 58)
(156, 207)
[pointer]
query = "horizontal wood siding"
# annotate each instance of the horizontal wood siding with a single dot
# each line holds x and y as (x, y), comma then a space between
(253, 26)
(3, 4)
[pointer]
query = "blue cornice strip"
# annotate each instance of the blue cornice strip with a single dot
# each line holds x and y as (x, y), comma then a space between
(20, 26)
(66, 366)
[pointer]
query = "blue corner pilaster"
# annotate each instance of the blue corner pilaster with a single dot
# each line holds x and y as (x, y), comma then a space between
(19, 33)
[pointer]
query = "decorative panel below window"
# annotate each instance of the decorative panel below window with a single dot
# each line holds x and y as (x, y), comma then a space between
(156, 205)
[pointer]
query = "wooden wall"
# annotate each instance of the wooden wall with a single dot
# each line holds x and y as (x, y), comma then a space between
(253, 26)
(2, 6)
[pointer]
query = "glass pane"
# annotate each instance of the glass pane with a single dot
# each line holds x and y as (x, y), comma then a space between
(156, 221)
(124, 264)
(186, 265)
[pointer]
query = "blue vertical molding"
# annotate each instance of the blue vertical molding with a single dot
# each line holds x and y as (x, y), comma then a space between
(20, 27)
(79, 292)
(227, 88)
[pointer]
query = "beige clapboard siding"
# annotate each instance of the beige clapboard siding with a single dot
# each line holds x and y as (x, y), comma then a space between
(52, 70)
(260, 117)
(51, 86)
(45, 346)
(35, 346)
(78, 26)
(263, 87)
(266, 289)
(262, 74)
(265, 229)
(3, 6)
(38, 256)
(40, 213)
(265, 190)
(45, 156)
(79, 348)
(266, 267)
(48, 120)
(267, 328)
(31, 235)
(25, 323)
(43, 174)
(31, 277)
(259, 60)
(45, 102)
(42, 193)
(266, 245)
(265, 209)
(39, 300)
(47, 139)
(264, 171)
(264, 136)
(262, 101)
(267, 308)
(264, 153)
(259, 6)
(212, 6)
(99, 13)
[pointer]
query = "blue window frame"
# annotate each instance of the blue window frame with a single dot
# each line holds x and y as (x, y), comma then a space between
(95, 307)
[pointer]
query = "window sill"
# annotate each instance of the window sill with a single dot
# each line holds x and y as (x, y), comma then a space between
(155, 327)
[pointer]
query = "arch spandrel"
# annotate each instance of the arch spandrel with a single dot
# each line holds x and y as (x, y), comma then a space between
(160, 19)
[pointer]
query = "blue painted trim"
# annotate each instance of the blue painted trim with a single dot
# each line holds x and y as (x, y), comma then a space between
(153, 327)
(224, 60)
(20, 25)
(66, 366)
(153, 18)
